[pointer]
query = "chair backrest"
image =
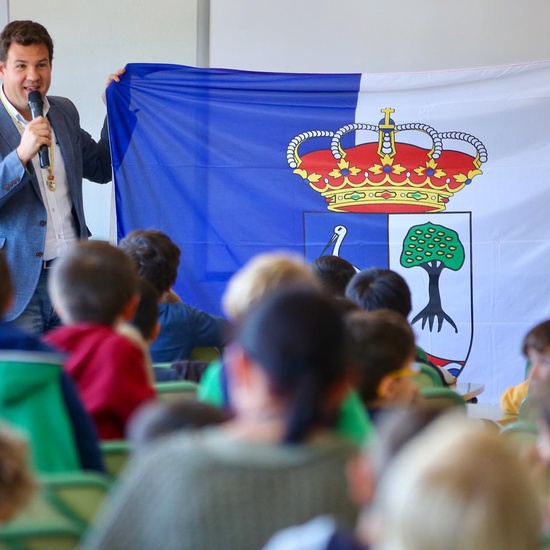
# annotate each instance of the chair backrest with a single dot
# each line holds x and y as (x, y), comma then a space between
(175, 391)
(443, 397)
(31, 399)
(40, 527)
(207, 354)
(77, 495)
(116, 453)
(529, 410)
(427, 377)
(521, 434)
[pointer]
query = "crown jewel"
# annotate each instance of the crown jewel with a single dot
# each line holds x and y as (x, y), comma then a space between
(387, 175)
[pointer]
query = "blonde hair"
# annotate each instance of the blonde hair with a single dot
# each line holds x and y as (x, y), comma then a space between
(262, 274)
(17, 481)
(457, 486)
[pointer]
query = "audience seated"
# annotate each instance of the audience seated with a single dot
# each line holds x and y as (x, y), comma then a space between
(17, 480)
(457, 485)
(383, 352)
(536, 348)
(276, 463)
(378, 288)
(76, 448)
(262, 275)
(182, 327)
(93, 288)
(334, 274)
(363, 473)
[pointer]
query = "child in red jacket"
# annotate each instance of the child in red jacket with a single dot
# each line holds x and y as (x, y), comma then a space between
(93, 288)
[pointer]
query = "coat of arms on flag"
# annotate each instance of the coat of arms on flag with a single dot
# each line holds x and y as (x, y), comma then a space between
(390, 191)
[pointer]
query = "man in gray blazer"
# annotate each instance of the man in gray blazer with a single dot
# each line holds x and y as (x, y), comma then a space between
(41, 209)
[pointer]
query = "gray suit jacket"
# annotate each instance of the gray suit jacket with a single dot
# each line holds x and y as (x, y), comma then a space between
(22, 212)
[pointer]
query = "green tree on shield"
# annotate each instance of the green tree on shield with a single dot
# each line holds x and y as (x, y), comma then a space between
(433, 248)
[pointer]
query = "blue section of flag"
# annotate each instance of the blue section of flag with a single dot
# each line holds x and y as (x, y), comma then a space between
(362, 242)
(201, 155)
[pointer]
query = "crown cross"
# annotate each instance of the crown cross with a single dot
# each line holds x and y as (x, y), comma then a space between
(386, 143)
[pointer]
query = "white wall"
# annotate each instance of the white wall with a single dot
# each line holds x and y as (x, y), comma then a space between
(376, 36)
(93, 38)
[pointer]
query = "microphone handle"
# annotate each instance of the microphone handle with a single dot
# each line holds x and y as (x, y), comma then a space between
(43, 153)
(44, 156)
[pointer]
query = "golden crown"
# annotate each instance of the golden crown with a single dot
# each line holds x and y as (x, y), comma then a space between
(384, 175)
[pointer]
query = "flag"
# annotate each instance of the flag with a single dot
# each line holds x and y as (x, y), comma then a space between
(374, 168)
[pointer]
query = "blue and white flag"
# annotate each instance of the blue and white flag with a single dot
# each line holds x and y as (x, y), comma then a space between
(442, 176)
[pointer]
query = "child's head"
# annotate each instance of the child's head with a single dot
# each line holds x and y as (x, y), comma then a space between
(157, 419)
(334, 273)
(373, 289)
(17, 481)
(457, 485)
(263, 274)
(536, 347)
(94, 282)
(295, 340)
(147, 311)
(155, 256)
(383, 351)
(396, 429)
(6, 286)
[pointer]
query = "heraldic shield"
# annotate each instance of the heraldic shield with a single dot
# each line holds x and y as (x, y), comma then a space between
(386, 201)
(432, 252)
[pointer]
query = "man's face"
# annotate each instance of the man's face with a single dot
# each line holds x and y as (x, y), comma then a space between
(26, 68)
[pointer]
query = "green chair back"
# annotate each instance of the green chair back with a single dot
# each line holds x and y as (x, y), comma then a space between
(77, 495)
(40, 527)
(427, 377)
(162, 365)
(521, 434)
(207, 354)
(443, 397)
(176, 391)
(116, 453)
(529, 410)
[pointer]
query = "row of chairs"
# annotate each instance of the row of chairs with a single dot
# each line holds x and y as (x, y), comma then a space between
(63, 508)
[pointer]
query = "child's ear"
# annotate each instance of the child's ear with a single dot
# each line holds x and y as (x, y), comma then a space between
(238, 364)
(129, 311)
(386, 388)
(360, 478)
(155, 333)
(339, 392)
(7, 305)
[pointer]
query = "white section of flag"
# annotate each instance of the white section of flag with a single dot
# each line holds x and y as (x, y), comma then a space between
(508, 109)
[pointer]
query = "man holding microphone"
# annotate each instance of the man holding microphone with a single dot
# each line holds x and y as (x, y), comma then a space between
(41, 206)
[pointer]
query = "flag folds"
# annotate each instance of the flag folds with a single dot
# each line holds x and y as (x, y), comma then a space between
(234, 163)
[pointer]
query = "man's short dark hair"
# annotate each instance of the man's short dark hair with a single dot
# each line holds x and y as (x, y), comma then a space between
(334, 273)
(381, 342)
(155, 256)
(6, 285)
(93, 282)
(25, 33)
(376, 288)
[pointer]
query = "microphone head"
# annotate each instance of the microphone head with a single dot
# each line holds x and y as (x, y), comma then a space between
(35, 97)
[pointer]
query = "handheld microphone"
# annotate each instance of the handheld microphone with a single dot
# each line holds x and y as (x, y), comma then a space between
(36, 104)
